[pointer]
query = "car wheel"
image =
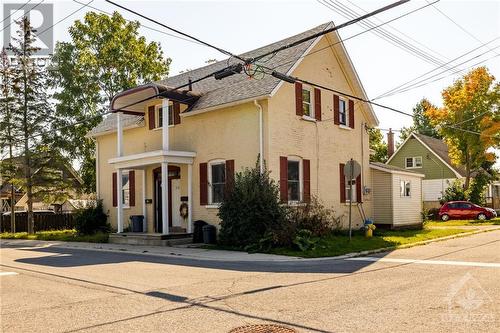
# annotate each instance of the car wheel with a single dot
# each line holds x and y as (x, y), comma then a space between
(481, 216)
(445, 217)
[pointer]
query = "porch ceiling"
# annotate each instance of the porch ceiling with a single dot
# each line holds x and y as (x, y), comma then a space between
(139, 161)
(142, 96)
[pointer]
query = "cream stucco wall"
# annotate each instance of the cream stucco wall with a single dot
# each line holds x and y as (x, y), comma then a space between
(232, 133)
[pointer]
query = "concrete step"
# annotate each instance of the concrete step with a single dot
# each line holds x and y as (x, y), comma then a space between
(151, 239)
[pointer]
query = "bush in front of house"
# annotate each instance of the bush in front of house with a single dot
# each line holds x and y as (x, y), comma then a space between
(91, 220)
(251, 213)
(455, 192)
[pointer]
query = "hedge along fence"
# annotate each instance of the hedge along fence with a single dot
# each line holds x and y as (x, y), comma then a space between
(43, 221)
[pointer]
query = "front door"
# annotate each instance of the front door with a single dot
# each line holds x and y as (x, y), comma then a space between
(173, 192)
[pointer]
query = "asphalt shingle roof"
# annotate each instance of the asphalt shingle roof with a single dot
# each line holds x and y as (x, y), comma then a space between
(234, 88)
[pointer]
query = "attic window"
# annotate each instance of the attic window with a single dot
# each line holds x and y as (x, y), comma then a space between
(307, 102)
(413, 162)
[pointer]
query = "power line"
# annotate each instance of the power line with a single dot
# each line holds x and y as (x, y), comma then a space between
(15, 11)
(386, 35)
(324, 32)
(64, 18)
(352, 36)
(178, 31)
(142, 25)
(38, 4)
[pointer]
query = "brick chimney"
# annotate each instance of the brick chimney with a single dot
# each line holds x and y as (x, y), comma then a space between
(390, 143)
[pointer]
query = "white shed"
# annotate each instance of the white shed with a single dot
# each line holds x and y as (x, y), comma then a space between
(397, 196)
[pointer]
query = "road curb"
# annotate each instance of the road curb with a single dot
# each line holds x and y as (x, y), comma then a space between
(142, 251)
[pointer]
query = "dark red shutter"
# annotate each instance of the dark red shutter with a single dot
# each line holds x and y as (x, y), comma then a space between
(306, 176)
(358, 189)
(115, 187)
(229, 174)
(151, 117)
(351, 113)
(317, 104)
(131, 187)
(283, 179)
(342, 182)
(336, 113)
(177, 113)
(203, 184)
(298, 99)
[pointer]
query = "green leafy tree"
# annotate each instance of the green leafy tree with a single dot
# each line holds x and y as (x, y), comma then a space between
(32, 115)
(469, 120)
(421, 122)
(378, 145)
(105, 56)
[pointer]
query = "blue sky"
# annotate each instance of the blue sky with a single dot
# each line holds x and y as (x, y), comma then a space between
(239, 26)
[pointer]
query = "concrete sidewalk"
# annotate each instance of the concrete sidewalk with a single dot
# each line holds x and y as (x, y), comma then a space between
(165, 251)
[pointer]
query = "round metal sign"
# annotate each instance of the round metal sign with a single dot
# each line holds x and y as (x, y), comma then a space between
(352, 169)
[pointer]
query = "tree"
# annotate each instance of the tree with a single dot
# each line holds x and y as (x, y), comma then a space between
(421, 122)
(469, 119)
(378, 145)
(105, 56)
(7, 129)
(32, 114)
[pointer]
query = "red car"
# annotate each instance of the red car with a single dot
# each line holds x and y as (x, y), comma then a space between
(465, 210)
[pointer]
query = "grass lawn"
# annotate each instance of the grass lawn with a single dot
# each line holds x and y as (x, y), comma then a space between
(454, 223)
(58, 235)
(339, 244)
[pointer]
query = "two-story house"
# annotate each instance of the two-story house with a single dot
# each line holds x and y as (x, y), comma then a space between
(196, 138)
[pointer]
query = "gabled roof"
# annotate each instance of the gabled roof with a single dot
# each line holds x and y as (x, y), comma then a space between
(394, 169)
(436, 146)
(239, 88)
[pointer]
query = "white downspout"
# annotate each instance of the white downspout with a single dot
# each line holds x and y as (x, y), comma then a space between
(261, 136)
(97, 177)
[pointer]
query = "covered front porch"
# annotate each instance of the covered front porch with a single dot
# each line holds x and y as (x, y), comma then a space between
(165, 175)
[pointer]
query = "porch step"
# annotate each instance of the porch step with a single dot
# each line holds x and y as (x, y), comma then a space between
(151, 239)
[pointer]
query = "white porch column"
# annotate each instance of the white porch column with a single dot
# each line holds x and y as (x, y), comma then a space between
(144, 208)
(164, 197)
(164, 124)
(119, 210)
(190, 198)
(119, 134)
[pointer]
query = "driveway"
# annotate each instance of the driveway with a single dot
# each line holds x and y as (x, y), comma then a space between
(444, 286)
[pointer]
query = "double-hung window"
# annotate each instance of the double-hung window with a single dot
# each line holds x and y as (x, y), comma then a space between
(159, 115)
(413, 162)
(293, 180)
(217, 178)
(307, 102)
(405, 188)
(343, 113)
(348, 194)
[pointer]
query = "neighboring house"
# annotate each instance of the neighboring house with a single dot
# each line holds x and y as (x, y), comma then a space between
(429, 156)
(397, 196)
(219, 127)
(68, 174)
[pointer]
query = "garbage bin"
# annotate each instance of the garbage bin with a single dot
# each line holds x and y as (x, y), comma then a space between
(209, 234)
(137, 222)
(198, 231)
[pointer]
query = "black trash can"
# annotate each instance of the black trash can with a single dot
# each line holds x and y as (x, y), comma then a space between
(198, 231)
(209, 234)
(137, 222)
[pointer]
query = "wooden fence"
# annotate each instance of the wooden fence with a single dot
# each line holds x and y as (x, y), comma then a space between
(43, 221)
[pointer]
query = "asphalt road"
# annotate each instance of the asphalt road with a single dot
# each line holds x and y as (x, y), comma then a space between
(449, 286)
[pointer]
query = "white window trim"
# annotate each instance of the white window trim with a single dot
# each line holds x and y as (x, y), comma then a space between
(301, 181)
(402, 188)
(413, 159)
(311, 103)
(127, 172)
(212, 204)
(346, 103)
(159, 126)
(307, 118)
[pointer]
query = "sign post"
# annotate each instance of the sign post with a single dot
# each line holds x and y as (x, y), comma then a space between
(352, 170)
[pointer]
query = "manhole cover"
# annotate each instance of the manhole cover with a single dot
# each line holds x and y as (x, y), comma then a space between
(263, 328)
